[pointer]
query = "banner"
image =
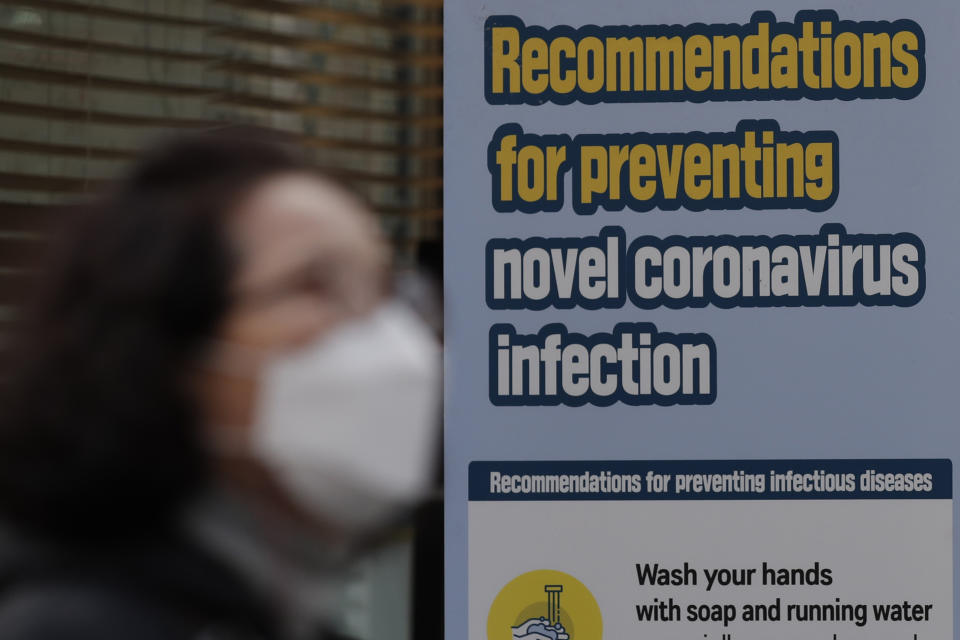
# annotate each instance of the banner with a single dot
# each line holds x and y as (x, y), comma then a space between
(700, 273)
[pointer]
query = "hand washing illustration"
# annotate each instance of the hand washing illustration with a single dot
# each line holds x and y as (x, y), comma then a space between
(548, 628)
(544, 605)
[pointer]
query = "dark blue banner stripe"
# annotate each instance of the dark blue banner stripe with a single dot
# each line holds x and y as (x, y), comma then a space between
(885, 479)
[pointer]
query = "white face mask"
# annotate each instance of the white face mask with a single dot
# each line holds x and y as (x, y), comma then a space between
(348, 425)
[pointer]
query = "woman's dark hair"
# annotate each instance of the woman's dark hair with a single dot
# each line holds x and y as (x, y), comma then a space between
(99, 433)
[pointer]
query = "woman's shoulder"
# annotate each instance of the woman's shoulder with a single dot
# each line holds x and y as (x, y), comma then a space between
(75, 609)
(163, 589)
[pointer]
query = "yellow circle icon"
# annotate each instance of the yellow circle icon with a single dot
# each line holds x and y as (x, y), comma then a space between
(544, 605)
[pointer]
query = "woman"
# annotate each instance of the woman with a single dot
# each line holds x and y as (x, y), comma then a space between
(209, 380)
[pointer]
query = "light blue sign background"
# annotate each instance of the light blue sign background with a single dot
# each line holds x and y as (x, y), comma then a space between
(858, 382)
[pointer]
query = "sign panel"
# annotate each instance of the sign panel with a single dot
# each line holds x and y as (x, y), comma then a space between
(700, 275)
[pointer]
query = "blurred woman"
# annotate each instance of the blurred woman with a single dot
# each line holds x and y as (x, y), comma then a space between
(210, 392)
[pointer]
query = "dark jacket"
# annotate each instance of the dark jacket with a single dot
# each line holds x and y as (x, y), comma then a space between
(158, 589)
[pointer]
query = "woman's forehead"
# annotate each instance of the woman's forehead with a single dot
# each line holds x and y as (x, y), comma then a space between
(297, 218)
(301, 203)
